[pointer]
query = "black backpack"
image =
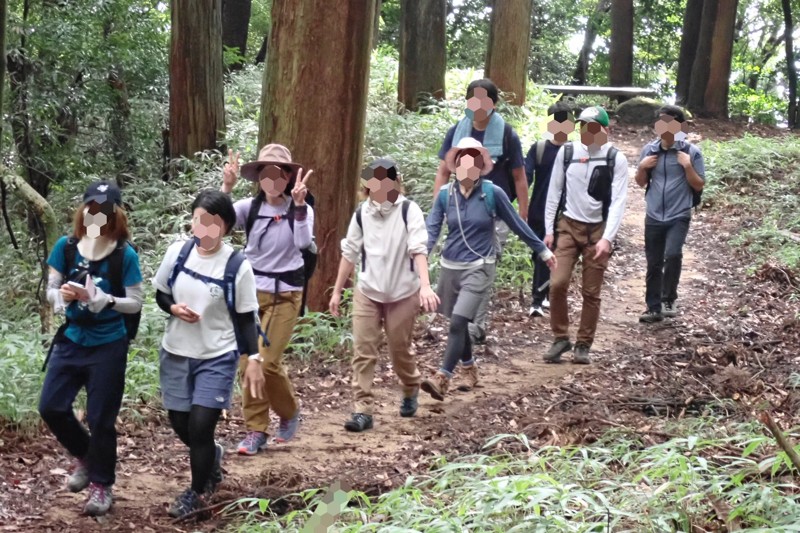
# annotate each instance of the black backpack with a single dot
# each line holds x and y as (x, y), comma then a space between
(504, 162)
(404, 212)
(296, 278)
(697, 196)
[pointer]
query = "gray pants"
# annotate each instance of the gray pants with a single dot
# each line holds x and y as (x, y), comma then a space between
(477, 328)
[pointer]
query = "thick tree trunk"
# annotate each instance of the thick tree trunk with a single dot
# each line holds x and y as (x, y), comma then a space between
(235, 23)
(423, 52)
(314, 101)
(119, 125)
(509, 45)
(196, 99)
(717, 88)
(376, 26)
(621, 56)
(791, 69)
(584, 56)
(689, 41)
(695, 100)
(3, 18)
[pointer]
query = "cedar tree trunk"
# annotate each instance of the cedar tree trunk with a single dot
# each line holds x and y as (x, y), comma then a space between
(509, 45)
(423, 53)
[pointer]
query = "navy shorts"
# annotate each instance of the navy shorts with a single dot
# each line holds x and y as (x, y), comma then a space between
(205, 382)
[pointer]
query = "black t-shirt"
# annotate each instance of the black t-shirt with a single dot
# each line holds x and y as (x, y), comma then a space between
(539, 174)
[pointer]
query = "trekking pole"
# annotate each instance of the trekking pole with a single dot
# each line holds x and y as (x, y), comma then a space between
(544, 286)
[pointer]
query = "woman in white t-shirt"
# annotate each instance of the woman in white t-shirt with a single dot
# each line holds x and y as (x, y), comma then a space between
(209, 291)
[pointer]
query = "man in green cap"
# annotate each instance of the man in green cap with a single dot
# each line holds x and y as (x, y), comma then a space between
(585, 203)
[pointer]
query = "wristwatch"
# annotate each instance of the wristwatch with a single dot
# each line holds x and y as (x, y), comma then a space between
(111, 302)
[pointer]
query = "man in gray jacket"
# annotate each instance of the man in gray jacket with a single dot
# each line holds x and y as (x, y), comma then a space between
(673, 173)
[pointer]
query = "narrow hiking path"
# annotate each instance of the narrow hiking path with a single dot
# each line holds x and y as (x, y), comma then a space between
(519, 393)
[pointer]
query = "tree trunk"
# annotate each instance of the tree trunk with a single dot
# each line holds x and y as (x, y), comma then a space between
(791, 69)
(376, 26)
(314, 101)
(235, 23)
(119, 126)
(702, 60)
(3, 18)
(621, 54)
(196, 99)
(717, 88)
(509, 46)
(423, 52)
(261, 56)
(582, 68)
(690, 38)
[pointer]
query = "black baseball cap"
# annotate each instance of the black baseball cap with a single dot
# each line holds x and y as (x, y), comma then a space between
(103, 192)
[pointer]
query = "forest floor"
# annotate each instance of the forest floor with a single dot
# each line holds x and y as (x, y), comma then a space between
(734, 339)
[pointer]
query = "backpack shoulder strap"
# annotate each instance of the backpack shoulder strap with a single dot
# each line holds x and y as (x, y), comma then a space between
(180, 261)
(506, 140)
(487, 188)
(443, 197)
(568, 151)
(611, 158)
(404, 207)
(359, 221)
(116, 262)
(252, 214)
(539, 147)
(229, 281)
(70, 254)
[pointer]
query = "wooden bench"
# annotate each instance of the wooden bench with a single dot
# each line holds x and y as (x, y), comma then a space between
(608, 91)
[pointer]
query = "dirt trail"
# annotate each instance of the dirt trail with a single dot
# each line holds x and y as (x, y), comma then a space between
(154, 467)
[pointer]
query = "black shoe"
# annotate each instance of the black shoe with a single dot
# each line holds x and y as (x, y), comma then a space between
(580, 355)
(408, 407)
(216, 471)
(559, 347)
(668, 310)
(358, 422)
(650, 316)
(188, 502)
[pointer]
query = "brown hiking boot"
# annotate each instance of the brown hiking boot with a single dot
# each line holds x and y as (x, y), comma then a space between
(436, 386)
(469, 378)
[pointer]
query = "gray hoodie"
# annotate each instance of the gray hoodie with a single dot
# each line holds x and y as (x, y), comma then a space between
(669, 195)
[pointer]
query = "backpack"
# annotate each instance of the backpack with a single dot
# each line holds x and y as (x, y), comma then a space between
(227, 284)
(538, 148)
(504, 162)
(404, 212)
(610, 159)
(697, 196)
(309, 254)
(487, 188)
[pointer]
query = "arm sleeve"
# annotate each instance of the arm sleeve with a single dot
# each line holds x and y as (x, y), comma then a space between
(161, 279)
(699, 163)
(351, 244)
(515, 157)
(417, 234)
(246, 295)
(508, 214)
(554, 192)
(56, 259)
(434, 222)
(54, 281)
(248, 326)
(132, 303)
(304, 228)
(447, 143)
(165, 301)
(530, 163)
(242, 207)
(619, 193)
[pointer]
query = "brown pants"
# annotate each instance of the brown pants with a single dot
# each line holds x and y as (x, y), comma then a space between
(370, 318)
(279, 393)
(577, 239)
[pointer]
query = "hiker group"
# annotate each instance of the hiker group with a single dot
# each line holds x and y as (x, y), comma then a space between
(233, 312)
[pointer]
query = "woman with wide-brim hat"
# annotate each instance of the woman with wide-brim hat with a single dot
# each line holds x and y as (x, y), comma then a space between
(470, 206)
(279, 225)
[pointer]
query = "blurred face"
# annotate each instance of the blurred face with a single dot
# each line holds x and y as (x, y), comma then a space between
(479, 105)
(274, 179)
(559, 126)
(669, 129)
(593, 135)
(469, 164)
(207, 229)
(96, 218)
(381, 188)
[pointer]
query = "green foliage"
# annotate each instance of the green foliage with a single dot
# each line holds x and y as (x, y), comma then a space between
(756, 105)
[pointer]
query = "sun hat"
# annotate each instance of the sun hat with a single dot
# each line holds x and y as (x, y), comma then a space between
(271, 154)
(468, 143)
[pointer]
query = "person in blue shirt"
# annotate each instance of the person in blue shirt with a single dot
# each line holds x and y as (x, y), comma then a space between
(90, 351)
(471, 207)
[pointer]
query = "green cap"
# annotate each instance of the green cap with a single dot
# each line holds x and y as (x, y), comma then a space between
(594, 114)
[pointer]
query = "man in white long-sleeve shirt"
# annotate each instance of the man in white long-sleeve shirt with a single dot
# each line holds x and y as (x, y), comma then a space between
(583, 214)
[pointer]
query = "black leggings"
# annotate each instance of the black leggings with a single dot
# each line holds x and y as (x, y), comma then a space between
(196, 430)
(459, 345)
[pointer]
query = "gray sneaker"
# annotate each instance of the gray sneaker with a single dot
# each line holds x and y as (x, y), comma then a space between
(669, 310)
(79, 476)
(581, 355)
(99, 501)
(559, 347)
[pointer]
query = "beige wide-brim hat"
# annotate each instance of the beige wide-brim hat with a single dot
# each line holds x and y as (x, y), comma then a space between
(464, 144)
(271, 154)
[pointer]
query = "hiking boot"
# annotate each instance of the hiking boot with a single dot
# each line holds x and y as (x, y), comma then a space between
(650, 316)
(559, 347)
(581, 355)
(408, 407)
(470, 378)
(536, 311)
(358, 422)
(78, 477)
(288, 428)
(546, 304)
(99, 501)
(216, 471)
(436, 386)
(668, 310)
(188, 502)
(253, 441)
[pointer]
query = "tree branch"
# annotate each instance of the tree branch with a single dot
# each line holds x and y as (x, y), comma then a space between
(783, 442)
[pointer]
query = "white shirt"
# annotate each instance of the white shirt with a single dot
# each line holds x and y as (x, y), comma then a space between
(213, 334)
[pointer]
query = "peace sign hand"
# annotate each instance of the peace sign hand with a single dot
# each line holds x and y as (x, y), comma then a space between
(300, 190)
(230, 173)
